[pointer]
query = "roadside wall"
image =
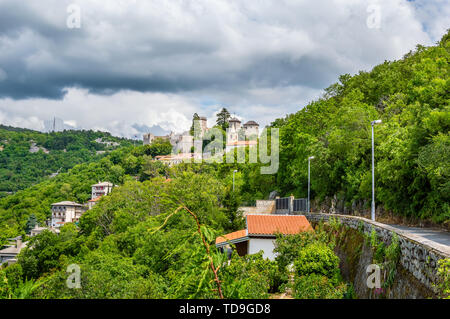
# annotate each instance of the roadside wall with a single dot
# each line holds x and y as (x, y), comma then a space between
(419, 256)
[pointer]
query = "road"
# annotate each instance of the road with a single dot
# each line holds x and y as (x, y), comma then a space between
(438, 236)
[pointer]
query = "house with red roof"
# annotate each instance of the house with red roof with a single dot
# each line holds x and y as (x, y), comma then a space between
(260, 233)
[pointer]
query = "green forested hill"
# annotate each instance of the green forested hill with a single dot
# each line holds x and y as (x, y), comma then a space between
(75, 185)
(28, 157)
(412, 98)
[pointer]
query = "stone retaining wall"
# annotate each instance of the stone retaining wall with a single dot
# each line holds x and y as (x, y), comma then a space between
(262, 207)
(419, 256)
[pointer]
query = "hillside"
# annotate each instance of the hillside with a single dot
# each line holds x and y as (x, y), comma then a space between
(28, 157)
(412, 145)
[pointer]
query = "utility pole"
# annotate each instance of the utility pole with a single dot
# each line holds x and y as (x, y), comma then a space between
(373, 171)
(309, 182)
(235, 171)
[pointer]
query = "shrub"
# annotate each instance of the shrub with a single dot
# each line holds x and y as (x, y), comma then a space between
(315, 286)
(317, 259)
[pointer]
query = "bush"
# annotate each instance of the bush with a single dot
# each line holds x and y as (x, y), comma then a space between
(317, 259)
(315, 286)
(249, 277)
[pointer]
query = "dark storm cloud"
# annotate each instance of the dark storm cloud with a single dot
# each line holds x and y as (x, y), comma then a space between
(181, 47)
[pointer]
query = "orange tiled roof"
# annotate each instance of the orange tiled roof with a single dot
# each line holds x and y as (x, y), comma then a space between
(269, 225)
(95, 199)
(272, 224)
(231, 236)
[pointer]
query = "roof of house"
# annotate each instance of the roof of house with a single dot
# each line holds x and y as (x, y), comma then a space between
(231, 236)
(66, 203)
(251, 123)
(272, 224)
(104, 184)
(12, 250)
(95, 199)
(268, 225)
(234, 120)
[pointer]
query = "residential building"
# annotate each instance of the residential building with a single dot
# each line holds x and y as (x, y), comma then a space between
(101, 189)
(38, 230)
(260, 233)
(93, 202)
(66, 212)
(9, 254)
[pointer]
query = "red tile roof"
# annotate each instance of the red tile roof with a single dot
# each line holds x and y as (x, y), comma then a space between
(269, 225)
(272, 224)
(231, 236)
(95, 199)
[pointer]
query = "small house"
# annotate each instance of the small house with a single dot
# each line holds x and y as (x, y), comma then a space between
(260, 233)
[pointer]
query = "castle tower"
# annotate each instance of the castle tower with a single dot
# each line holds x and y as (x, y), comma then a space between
(203, 124)
(251, 128)
(233, 130)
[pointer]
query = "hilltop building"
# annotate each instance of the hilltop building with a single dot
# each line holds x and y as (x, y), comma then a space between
(149, 138)
(183, 143)
(244, 136)
(251, 128)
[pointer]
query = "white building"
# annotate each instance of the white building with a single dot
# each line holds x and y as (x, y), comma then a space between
(234, 126)
(66, 212)
(101, 189)
(183, 143)
(260, 233)
(251, 129)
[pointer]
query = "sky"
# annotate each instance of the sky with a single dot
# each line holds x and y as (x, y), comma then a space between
(128, 66)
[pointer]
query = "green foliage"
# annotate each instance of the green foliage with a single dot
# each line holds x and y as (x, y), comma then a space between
(31, 223)
(443, 283)
(249, 277)
(222, 118)
(317, 258)
(315, 286)
(159, 146)
(21, 168)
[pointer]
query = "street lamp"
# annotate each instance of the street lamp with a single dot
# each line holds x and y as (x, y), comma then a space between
(235, 171)
(373, 171)
(309, 178)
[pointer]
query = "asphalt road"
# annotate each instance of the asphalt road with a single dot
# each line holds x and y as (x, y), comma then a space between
(438, 236)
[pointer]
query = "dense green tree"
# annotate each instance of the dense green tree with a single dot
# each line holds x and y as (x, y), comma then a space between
(222, 119)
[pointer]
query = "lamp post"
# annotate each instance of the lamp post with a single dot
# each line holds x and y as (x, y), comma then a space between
(235, 171)
(309, 178)
(373, 171)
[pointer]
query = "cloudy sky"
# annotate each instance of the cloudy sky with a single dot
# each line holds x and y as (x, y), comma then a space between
(138, 64)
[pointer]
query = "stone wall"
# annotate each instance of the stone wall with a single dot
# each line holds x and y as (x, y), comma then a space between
(419, 257)
(262, 207)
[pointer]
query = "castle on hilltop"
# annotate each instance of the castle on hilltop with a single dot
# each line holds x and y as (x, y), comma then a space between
(237, 136)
